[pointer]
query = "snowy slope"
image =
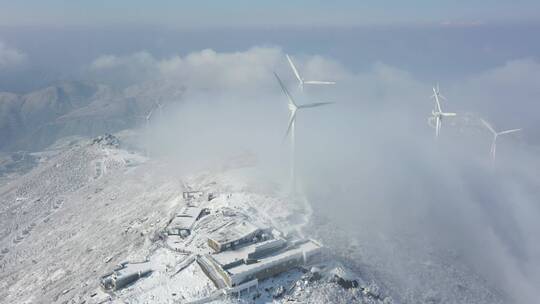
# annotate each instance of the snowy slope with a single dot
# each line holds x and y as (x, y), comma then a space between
(66, 221)
(93, 205)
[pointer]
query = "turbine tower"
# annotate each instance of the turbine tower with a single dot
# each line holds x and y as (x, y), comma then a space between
(301, 81)
(160, 107)
(148, 116)
(293, 109)
(438, 114)
(495, 135)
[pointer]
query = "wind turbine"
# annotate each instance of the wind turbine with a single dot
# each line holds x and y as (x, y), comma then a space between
(293, 109)
(301, 81)
(147, 117)
(439, 114)
(495, 135)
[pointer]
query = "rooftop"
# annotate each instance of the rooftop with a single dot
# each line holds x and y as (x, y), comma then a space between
(185, 218)
(189, 212)
(307, 246)
(234, 231)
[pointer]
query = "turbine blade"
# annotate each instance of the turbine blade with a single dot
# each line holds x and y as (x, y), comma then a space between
(149, 114)
(284, 89)
(313, 105)
(438, 103)
(319, 82)
(291, 122)
(487, 125)
(293, 67)
(509, 131)
(442, 97)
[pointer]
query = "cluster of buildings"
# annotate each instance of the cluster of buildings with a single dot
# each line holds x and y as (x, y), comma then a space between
(244, 251)
(240, 253)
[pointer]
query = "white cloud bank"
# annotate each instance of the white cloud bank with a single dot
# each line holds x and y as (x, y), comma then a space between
(206, 70)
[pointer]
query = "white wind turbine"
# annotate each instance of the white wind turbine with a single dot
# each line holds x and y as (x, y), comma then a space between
(147, 117)
(293, 109)
(438, 114)
(495, 135)
(301, 81)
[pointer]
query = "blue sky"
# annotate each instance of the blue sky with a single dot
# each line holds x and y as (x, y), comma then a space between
(246, 13)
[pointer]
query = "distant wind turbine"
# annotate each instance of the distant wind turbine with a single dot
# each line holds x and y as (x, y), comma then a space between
(301, 81)
(147, 117)
(439, 114)
(495, 135)
(293, 109)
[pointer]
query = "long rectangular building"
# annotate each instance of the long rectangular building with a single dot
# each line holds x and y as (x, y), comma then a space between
(272, 258)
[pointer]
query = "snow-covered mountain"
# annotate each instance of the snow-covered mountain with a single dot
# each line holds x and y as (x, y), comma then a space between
(35, 120)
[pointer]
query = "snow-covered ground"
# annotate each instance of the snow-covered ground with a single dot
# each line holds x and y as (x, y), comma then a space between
(92, 205)
(67, 221)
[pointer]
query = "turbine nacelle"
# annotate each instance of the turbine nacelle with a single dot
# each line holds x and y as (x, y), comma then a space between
(292, 107)
(438, 114)
(301, 80)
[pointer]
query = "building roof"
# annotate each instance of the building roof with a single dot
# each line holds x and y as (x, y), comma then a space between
(274, 258)
(231, 233)
(185, 218)
(189, 212)
(228, 257)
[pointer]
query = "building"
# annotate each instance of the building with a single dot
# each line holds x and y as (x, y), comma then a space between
(124, 275)
(236, 235)
(182, 223)
(243, 268)
(189, 195)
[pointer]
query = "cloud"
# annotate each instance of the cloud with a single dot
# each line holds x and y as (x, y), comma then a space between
(10, 57)
(506, 95)
(474, 23)
(124, 70)
(206, 70)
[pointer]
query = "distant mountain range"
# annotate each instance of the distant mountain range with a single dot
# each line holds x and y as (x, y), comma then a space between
(37, 119)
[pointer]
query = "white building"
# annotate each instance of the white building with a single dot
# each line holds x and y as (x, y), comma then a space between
(183, 221)
(236, 235)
